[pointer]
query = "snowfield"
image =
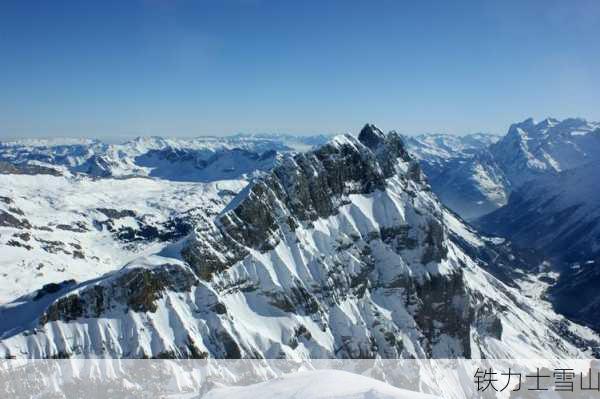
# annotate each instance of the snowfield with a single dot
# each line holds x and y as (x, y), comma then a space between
(69, 235)
(317, 384)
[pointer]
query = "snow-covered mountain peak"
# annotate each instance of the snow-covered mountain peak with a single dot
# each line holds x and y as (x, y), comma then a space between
(526, 124)
(530, 150)
(342, 251)
(549, 127)
(301, 189)
(548, 123)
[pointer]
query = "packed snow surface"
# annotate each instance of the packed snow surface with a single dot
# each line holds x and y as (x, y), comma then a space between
(317, 384)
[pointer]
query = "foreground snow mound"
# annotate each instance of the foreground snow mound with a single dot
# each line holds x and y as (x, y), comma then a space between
(341, 252)
(318, 384)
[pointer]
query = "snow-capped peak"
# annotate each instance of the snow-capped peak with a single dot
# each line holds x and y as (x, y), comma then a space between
(338, 252)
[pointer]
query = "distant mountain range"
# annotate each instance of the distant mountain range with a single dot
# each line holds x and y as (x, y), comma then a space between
(201, 159)
(475, 174)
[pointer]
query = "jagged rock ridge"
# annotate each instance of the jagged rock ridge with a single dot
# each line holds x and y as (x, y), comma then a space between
(339, 252)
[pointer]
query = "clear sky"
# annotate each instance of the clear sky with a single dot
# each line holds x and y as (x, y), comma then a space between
(184, 68)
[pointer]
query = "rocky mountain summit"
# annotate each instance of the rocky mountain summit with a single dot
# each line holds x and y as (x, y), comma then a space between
(342, 251)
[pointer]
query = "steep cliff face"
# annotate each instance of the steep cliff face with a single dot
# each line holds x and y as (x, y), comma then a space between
(339, 252)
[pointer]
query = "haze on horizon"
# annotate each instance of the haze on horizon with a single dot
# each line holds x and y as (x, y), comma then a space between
(116, 70)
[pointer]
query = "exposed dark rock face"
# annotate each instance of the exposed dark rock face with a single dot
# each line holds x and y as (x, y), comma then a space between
(9, 220)
(138, 289)
(116, 214)
(442, 308)
(15, 243)
(53, 247)
(23, 236)
(52, 288)
(173, 229)
(78, 227)
(7, 168)
(435, 249)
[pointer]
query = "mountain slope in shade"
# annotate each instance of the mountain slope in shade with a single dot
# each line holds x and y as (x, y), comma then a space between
(560, 216)
(461, 171)
(339, 252)
(470, 186)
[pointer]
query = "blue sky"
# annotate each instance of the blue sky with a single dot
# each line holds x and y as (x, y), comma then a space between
(185, 68)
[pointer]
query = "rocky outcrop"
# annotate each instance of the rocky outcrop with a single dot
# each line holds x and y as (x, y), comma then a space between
(9, 220)
(7, 168)
(136, 289)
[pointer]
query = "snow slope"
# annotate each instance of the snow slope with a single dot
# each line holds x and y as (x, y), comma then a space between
(340, 252)
(78, 208)
(438, 148)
